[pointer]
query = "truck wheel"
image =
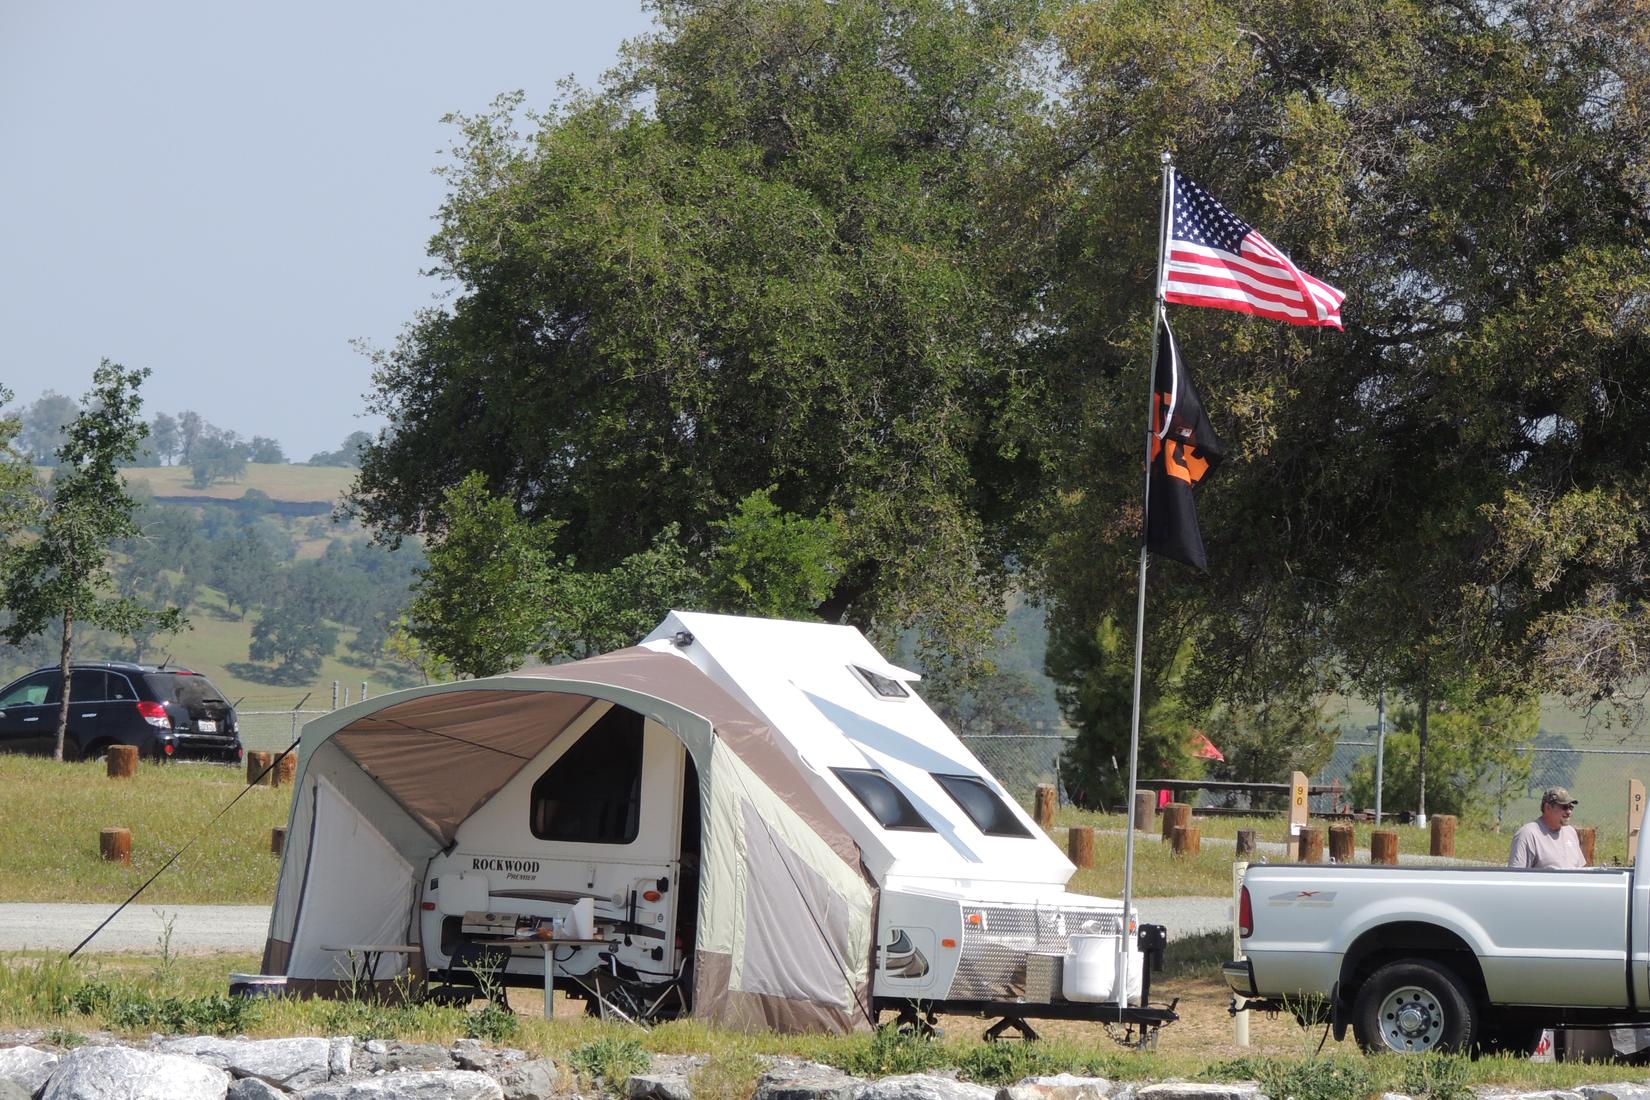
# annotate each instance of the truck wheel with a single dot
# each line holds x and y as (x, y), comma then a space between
(1413, 1007)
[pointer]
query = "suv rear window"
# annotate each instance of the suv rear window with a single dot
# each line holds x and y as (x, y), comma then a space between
(172, 687)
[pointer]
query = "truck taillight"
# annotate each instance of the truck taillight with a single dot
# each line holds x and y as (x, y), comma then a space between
(1246, 915)
(154, 714)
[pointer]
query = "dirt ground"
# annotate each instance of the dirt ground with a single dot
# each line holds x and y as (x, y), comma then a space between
(1204, 1028)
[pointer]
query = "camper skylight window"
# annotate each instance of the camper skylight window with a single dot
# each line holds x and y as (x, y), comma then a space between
(989, 813)
(593, 793)
(886, 687)
(886, 802)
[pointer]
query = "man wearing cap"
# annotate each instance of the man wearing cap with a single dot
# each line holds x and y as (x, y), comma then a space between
(1549, 840)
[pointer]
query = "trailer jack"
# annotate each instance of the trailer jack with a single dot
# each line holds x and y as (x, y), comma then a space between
(999, 1029)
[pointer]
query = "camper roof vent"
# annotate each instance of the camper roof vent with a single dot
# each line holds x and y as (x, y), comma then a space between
(885, 687)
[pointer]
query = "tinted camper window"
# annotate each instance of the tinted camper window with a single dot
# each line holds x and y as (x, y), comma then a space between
(988, 812)
(593, 793)
(886, 802)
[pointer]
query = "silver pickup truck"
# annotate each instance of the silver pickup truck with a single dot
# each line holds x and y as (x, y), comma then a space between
(1446, 958)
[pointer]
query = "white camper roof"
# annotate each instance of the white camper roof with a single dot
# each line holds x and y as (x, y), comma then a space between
(839, 707)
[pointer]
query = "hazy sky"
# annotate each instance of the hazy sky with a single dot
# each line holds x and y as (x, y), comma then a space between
(228, 193)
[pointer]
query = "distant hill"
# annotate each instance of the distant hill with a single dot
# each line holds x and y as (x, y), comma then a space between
(287, 482)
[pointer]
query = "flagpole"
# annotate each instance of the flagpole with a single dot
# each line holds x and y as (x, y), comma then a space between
(1123, 941)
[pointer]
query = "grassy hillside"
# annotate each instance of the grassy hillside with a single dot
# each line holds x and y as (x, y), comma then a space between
(217, 645)
(278, 481)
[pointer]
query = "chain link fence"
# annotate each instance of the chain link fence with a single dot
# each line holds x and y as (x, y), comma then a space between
(1020, 761)
(272, 730)
(1594, 765)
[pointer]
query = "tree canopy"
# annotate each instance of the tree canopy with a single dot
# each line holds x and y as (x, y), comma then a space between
(1441, 494)
(895, 259)
(757, 259)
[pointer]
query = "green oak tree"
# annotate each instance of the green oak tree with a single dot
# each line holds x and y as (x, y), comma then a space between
(290, 634)
(480, 604)
(62, 574)
(1442, 494)
(19, 488)
(758, 257)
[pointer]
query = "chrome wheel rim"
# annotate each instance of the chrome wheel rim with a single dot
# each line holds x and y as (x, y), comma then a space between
(1411, 1019)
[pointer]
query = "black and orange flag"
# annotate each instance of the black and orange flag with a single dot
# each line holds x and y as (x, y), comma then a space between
(1184, 452)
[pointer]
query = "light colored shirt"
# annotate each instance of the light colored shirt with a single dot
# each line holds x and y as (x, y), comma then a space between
(1535, 845)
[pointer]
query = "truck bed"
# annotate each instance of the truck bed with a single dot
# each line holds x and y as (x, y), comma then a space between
(1549, 938)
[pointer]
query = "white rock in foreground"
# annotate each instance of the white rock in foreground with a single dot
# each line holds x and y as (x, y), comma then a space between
(118, 1073)
(452, 1084)
(288, 1063)
(924, 1086)
(27, 1067)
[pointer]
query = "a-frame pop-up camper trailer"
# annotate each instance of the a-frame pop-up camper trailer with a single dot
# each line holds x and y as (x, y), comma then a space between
(759, 817)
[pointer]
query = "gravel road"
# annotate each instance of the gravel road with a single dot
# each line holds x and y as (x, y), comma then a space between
(203, 929)
(196, 929)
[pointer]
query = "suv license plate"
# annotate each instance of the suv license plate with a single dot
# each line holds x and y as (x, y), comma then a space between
(206, 725)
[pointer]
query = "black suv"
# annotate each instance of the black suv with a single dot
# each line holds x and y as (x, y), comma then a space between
(167, 712)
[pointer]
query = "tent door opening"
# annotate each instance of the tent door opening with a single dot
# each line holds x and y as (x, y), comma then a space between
(583, 844)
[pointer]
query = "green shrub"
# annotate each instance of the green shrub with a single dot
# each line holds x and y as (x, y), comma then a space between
(731, 1075)
(886, 1051)
(1435, 1077)
(1005, 1063)
(367, 1020)
(214, 1013)
(1232, 1069)
(1332, 1077)
(609, 1059)
(492, 1025)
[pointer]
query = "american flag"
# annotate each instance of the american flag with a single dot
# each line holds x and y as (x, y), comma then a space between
(1217, 259)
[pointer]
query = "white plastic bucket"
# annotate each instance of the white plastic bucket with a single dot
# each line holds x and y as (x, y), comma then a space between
(1090, 971)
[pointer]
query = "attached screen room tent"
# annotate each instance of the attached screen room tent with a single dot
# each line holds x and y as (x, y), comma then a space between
(785, 908)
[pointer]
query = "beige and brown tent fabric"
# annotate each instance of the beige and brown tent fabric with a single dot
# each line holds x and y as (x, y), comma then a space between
(785, 908)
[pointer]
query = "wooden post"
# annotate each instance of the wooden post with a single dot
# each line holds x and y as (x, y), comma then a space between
(1176, 815)
(257, 763)
(1300, 809)
(1186, 840)
(1383, 847)
(1443, 834)
(1311, 844)
(285, 769)
(1080, 845)
(1342, 844)
(277, 839)
(1145, 808)
(1588, 835)
(115, 845)
(1045, 805)
(1635, 818)
(1245, 843)
(122, 761)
